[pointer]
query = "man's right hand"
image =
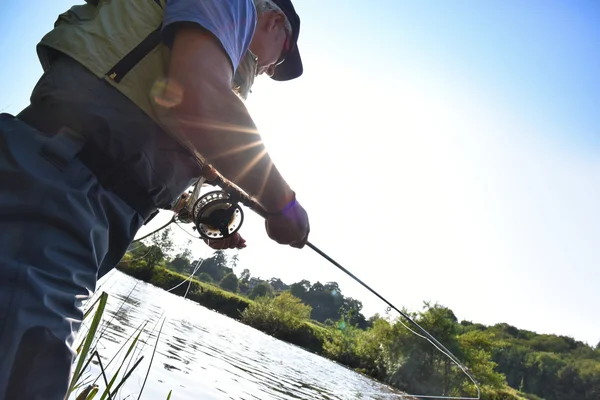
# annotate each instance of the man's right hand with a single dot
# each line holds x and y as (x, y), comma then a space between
(289, 227)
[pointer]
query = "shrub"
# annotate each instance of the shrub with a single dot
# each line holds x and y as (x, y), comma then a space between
(276, 316)
(342, 347)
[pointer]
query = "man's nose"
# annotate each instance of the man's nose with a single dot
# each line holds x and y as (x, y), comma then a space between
(270, 70)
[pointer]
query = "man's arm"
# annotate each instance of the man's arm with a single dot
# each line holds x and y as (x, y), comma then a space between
(216, 121)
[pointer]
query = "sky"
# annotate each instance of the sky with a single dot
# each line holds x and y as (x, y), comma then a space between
(446, 151)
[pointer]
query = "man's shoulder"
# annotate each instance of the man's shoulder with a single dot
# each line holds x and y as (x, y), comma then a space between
(232, 22)
(240, 12)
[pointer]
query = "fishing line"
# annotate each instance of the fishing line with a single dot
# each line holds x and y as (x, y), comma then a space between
(154, 231)
(430, 338)
(217, 215)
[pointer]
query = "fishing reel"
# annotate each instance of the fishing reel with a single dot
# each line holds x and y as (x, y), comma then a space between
(217, 215)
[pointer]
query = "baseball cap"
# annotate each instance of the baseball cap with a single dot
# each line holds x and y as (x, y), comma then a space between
(291, 67)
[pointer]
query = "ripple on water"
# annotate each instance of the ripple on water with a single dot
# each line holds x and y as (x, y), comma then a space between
(205, 355)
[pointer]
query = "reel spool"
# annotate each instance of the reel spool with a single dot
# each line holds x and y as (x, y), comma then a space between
(217, 215)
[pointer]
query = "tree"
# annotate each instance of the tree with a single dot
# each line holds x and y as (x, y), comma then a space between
(261, 290)
(215, 266)
(234, 261)
(424, 367)
(299, 289)
(153, 256)
(204, 277)
(245, 276)
(229, 282)
(350, 309)
(179, 264)
(278, 285)
(163, 241)
(186, 251)
(317, 287)
(332, 287)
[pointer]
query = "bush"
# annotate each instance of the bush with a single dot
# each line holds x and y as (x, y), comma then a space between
(342, 346)
(280, 315)
(506, 393)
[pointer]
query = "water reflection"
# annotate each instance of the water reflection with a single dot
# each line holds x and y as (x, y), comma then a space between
(204, 355)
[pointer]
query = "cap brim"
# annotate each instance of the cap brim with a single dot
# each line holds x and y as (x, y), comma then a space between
(290, 68)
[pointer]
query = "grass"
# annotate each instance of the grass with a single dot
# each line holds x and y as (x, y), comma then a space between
(87, 351)
(305, 334)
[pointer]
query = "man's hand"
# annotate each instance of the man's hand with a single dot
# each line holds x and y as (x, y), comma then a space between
(290, 227)
(234, 241)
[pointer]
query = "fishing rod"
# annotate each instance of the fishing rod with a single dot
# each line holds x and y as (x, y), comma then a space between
(217, 215)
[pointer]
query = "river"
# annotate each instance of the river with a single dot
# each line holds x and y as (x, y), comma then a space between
(202, 354)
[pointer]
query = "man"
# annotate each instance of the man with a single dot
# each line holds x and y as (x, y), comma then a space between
(136, 96)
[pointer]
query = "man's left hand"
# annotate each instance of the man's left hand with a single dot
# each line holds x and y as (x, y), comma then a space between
(234, 241)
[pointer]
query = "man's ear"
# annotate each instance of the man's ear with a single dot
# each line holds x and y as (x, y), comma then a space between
(276, 20)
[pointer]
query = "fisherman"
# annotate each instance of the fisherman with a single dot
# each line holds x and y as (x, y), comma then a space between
(135, 102)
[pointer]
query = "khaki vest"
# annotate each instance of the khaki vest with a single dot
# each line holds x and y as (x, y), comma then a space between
(119, 41)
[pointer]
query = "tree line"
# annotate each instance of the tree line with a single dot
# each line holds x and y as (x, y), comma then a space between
(501, 356)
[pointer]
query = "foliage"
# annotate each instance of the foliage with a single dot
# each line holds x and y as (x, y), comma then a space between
(508, 363)
(263, 289)
(278, 285)
(205, 294)
(287, 318)
(328, 302)
(229, 282)
(245, 276)
(87, 351)
(281, 314)
(180, 264)
(215, 266)
(204, 277)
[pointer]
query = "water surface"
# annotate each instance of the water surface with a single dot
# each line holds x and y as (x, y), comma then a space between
(202, 354)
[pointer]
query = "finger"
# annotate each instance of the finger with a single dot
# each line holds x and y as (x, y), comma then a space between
(241, 243)
(231, 242)
(298, 245)
(214, 244)
(218, 244)
(301, 243)
(234, 241)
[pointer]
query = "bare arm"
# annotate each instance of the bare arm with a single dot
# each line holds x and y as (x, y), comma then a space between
(217, 122)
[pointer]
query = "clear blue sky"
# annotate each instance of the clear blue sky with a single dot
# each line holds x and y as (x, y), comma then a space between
(445, 150)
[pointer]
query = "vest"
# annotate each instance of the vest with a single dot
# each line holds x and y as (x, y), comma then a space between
(119, 41)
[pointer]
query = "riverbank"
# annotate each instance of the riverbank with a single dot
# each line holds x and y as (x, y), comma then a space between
(350, 347)
(308, 335)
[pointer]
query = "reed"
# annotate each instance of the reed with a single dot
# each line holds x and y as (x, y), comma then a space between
(85, 384)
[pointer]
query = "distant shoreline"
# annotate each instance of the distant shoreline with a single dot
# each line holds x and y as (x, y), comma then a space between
(311, 338)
